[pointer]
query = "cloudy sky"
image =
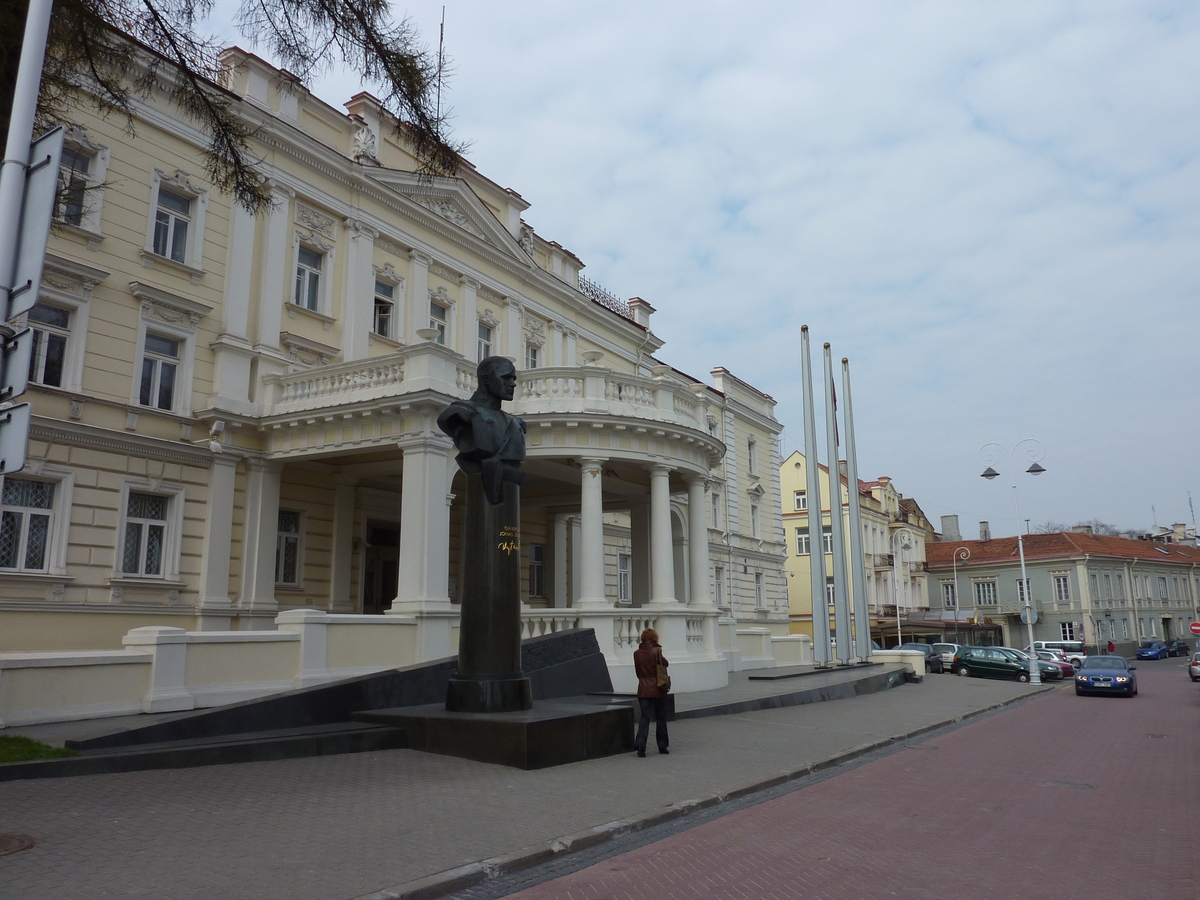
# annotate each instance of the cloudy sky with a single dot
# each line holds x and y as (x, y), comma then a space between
(990, 208)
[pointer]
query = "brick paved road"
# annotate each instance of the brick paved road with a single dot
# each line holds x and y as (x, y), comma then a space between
(950, 817)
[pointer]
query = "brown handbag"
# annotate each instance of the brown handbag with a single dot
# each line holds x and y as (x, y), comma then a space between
(664, 680)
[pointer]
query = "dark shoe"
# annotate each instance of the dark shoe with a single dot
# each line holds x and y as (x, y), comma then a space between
(642, 754)
(664, 750)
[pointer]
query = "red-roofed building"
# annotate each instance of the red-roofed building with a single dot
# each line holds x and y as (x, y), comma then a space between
(1085, 587)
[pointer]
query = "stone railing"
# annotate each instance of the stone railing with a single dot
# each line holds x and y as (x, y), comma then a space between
(333, 385)
(589, 389)
(537, 622)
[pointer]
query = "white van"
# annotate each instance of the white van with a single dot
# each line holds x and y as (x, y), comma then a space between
(1074, 651)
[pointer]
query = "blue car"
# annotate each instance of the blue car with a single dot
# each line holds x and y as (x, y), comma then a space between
(1153, 650)
(1106, 675)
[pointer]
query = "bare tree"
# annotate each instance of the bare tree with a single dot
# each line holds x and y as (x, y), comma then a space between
(1049, 527)
(121, 50)
(1100, 527)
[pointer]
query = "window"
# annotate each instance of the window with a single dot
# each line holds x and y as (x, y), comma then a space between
(309, 264)
(802, 542)
(716, 509)
(73, 175)
(537, 570)
(25, 524)
(438, 315)
(1022, 590)
(752, 456)
(1067, 631)
(531, 356)
(719, 584)
(759, 596)
(51, 328)
(160, 365)
(754, 520)
(1125, 628)
(624, 592)
(287, 549)
(1062, 588)
(145, 534)
(827, 538)
(830, 593)
(385, 306)
(985, 593)
(949, 595)
(171, 223)
(1162, 587)
(1108, 590)
(800, 499)
(1118, 586)
(1094, 585)
(484, 347)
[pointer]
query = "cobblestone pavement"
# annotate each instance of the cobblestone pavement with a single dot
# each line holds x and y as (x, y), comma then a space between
(340, 827)
(1066, 796)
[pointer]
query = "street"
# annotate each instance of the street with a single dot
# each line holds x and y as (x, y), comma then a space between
(1062, 796)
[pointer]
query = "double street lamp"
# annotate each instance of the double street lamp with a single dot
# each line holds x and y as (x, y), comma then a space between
(905, 538)
(1032, 453)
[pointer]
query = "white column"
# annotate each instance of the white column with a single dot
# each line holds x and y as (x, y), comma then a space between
(358, 292)
(511, 333)
(701, 596)
(276, 268)
(424, 524)
(571, 358)
(662, 556)
(591, 528)
(232, 351)
(258, 537)
(554, 344)
(561, 599)
(468, 318)
(340, 600)
(215, 605)
(416, 306)
(576, 558)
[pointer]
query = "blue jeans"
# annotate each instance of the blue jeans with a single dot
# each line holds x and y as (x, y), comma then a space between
(659, 706)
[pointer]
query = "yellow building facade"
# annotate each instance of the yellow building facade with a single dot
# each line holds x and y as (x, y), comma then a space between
(894, 535)
(234, 414)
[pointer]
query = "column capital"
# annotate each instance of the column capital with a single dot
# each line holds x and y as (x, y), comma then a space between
(420, 259)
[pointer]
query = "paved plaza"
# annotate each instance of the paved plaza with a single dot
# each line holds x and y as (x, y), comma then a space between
(389, 823)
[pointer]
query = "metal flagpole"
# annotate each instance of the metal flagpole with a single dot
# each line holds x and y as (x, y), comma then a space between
(837, 527)
(816, 547)
(858, 571)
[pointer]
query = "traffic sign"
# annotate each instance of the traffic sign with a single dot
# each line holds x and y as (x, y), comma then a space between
(1029, 615)
(1195, 628)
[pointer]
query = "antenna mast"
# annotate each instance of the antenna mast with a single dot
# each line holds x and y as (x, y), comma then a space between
(441, 60)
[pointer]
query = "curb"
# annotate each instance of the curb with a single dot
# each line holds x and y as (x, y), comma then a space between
(441, 883)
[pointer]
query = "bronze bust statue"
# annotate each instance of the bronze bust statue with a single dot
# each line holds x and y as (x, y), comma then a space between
(490, 442)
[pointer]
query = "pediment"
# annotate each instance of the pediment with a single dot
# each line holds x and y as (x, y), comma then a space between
(451, 200)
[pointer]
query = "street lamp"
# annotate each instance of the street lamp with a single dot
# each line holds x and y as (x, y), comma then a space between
(1032, 453)
(906, 542)
(963, 553)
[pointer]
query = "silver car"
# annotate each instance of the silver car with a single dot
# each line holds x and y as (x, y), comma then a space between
(1194, 666)
(947, 651)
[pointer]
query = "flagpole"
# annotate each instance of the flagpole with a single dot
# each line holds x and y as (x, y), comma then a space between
(837, 526)
(858, 572)
(816, 546)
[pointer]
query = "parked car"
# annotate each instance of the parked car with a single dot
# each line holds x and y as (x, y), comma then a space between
(933, 659)
(1178, 647)
(1048, 671)
(1107, 675)
(1055, 660)
(1194, 667)
(990, 662)
(1152, 650)
(947, 651)
(1074, 651)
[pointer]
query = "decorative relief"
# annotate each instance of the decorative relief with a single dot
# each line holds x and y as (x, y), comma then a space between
(534, 326)
(317, 223)
(179, 180)
(442, 272)
(490, 296)
(387, 272)
(488, 318)
(526, 240)
(303, 352)
(366, 145)
(451, 212)
(390, 247)
(315, 240)
(441, 296)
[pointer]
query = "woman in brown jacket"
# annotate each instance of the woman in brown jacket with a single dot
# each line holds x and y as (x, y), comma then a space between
(646, 660)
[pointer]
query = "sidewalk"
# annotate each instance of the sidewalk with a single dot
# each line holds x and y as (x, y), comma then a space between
(403, 823)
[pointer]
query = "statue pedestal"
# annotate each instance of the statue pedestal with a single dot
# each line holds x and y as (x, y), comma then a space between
(489, 675)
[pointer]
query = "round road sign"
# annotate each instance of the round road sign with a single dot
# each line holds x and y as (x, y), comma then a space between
(1195, 628)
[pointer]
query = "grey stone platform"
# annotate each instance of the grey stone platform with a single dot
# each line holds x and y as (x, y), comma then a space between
(552, 733)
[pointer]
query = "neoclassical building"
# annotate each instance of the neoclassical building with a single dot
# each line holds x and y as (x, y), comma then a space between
(234, 414)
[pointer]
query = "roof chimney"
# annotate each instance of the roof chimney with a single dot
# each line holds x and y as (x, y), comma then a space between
(843, 469)
(950, 529)
(985, 533)
(1082, 529)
